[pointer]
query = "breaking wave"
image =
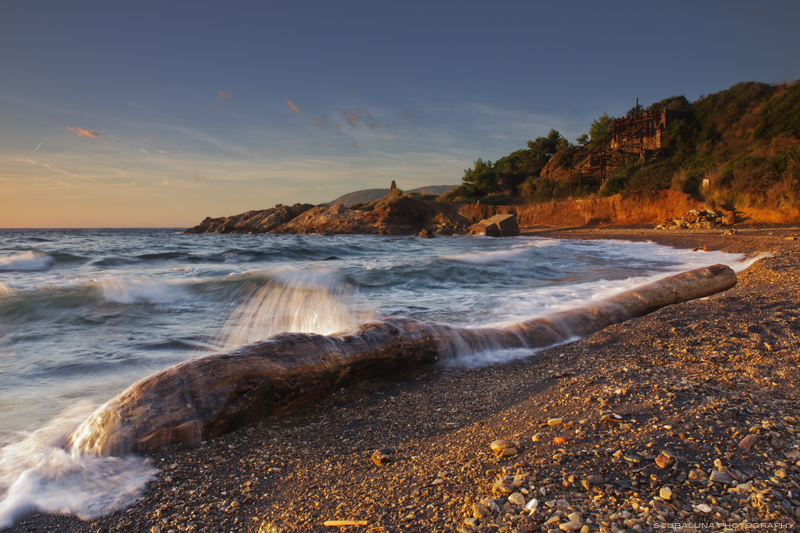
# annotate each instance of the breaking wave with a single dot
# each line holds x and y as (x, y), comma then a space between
(40, 472)
(301, 301)
(26, 261)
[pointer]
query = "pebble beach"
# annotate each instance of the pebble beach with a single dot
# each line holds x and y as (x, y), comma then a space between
(685, 419)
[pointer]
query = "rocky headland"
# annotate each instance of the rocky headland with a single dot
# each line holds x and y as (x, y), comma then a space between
(395, 214)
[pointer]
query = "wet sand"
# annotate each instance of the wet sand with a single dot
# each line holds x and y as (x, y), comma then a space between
(618, 431)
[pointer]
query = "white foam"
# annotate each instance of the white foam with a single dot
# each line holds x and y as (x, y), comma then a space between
(29, 261)
(487, 257)
(302, 301)
(140, 290)
(488, 357)
(40, 473)
(747, 262)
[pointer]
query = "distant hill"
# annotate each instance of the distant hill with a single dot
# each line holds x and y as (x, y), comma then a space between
(368, 195)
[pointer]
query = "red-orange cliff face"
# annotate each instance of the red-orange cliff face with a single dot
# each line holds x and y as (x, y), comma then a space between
(618, 210)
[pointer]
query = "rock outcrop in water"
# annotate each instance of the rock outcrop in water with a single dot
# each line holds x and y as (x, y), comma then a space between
(212, 395)
(263, 221)
(396, 214)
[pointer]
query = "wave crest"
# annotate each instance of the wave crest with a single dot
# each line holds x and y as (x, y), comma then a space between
(139, 290)
(294, 301)
(26, 261)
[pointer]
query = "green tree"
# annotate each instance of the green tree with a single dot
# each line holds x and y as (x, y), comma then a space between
(482, 178)
(600, 127)
(547, 146)
(583, 140)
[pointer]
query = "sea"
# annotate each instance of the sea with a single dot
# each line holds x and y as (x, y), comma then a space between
(84, 313)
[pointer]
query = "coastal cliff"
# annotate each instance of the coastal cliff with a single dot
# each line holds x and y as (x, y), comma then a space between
(404, 214)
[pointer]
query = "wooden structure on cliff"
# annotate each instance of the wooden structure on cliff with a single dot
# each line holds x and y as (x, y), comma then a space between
(639, 135)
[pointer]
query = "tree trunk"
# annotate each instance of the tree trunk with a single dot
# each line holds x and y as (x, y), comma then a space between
(219, 393)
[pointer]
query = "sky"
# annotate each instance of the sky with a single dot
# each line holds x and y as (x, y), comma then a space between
(158, 114)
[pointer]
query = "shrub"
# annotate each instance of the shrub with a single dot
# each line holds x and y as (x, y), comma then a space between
(781, 115)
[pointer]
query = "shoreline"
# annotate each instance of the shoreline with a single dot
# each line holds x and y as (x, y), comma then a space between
(691, 380)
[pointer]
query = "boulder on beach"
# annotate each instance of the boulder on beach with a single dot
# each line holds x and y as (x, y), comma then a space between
(497, 226)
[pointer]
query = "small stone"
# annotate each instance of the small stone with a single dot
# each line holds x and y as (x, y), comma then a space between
(592, 480)
(697, 475)
(471, 521)
(380, 458)
(268, 527)
(500, 445)
(532, 505)
(573, 525)
(790, 420)
(508, 452)
(662, 461)
(480, 511)
(555, 519)
(718, 476)
(633, 457)
(574, 517)
(501, 486)
(517, 499)
(554, 421)
(704, 508)
(665, 493)
(560, 440)
(747, 442)
(781, 473)
(537, 437)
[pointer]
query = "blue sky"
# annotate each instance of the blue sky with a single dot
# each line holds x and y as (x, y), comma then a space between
(161, 113)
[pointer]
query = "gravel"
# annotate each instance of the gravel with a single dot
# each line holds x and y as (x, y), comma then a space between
(654, 417)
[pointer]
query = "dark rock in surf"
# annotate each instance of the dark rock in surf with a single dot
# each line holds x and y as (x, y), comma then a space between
(482, 228)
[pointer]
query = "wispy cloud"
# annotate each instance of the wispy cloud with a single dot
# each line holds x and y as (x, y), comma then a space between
(55, 181)
(80, 132)
(198, 179)
(355, 118)
(223, 94)
(48, 167)
(321, 122)
(292, 106)
(34, 150)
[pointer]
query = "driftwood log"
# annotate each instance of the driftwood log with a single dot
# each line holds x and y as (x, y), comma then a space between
(219, 393)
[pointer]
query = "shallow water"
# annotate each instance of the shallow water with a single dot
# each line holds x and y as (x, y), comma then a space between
(85, 313)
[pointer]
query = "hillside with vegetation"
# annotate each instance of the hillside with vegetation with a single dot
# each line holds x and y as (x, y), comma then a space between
(738, 148)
